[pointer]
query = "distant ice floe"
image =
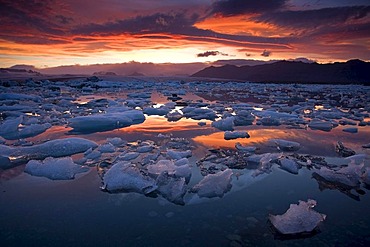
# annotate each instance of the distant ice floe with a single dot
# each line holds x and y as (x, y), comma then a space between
(214, 185)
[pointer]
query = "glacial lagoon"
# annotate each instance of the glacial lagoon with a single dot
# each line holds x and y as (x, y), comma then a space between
(154, 162)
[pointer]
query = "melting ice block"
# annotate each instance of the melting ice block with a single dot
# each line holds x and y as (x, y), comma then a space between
(124, 176)
(54, 168)
(214, 185)
(297, 219)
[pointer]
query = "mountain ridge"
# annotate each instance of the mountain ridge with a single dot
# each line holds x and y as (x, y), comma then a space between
(352, 71)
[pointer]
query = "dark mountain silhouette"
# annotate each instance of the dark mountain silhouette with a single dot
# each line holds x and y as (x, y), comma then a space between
(352, 71)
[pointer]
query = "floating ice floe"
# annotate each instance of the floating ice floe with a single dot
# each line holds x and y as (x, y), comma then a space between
(351, 130)
(105, 122)
(54, 148)
(176, 155)
(107, 148)
(199, 113)
(54, 168)
(160, 111)
(285, 145)
(243, 118)
(298, 219)
(126, 177)
(129, 156)
(366, 176)
(229, 135)
(174, 116)
(224, 124)
(366, 145)
(18, 96)
(214, 185)
(316, 124)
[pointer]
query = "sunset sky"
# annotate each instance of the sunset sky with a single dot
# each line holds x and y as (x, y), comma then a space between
(47, 33)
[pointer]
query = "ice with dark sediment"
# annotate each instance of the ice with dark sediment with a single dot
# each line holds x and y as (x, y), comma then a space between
(214, 185)
(54, 148)
(230, 135)
(224, 124)
(299, 218)
(126, 177)
(54, 168)
(366, 145)
(284, 145)
(105, 122)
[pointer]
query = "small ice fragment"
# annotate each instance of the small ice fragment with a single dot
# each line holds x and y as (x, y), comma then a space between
(176, 155)
(145, 149)
(230, 135)
(127, 177)
(54, 168)
(224, 124)
(351, 130)
(246, 149)
(129, 156)
(214, 185)
(320, 125)
(285, 145)
(289, 165)
(107, 148)
(298, 219)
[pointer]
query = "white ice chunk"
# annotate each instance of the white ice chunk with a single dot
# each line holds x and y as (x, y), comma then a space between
(348, 176)
(176, 155)
(54, 168)
(125, 176)
(214, 185)
(224, 124)
(297, 219)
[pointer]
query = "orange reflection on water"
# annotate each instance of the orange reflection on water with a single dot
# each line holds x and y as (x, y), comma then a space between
(257, 136)
(160, 124)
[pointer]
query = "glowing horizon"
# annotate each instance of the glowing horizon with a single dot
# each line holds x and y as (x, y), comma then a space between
(65, 32)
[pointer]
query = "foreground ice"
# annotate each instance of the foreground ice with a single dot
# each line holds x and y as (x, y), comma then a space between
(54, 168)
(172, 188)
(54, 148)
(214, 185)
(297, 219)
(124, 176)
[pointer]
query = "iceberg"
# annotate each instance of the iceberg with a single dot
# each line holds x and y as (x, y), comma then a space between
(54, 168)
(298, 219)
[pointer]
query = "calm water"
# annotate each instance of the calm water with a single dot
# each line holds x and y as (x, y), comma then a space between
(36, 211)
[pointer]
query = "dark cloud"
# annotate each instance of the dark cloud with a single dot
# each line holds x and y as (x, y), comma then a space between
(238, 7)
(175, 24)
(314, 18)
(266, 53)
(211, 53)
